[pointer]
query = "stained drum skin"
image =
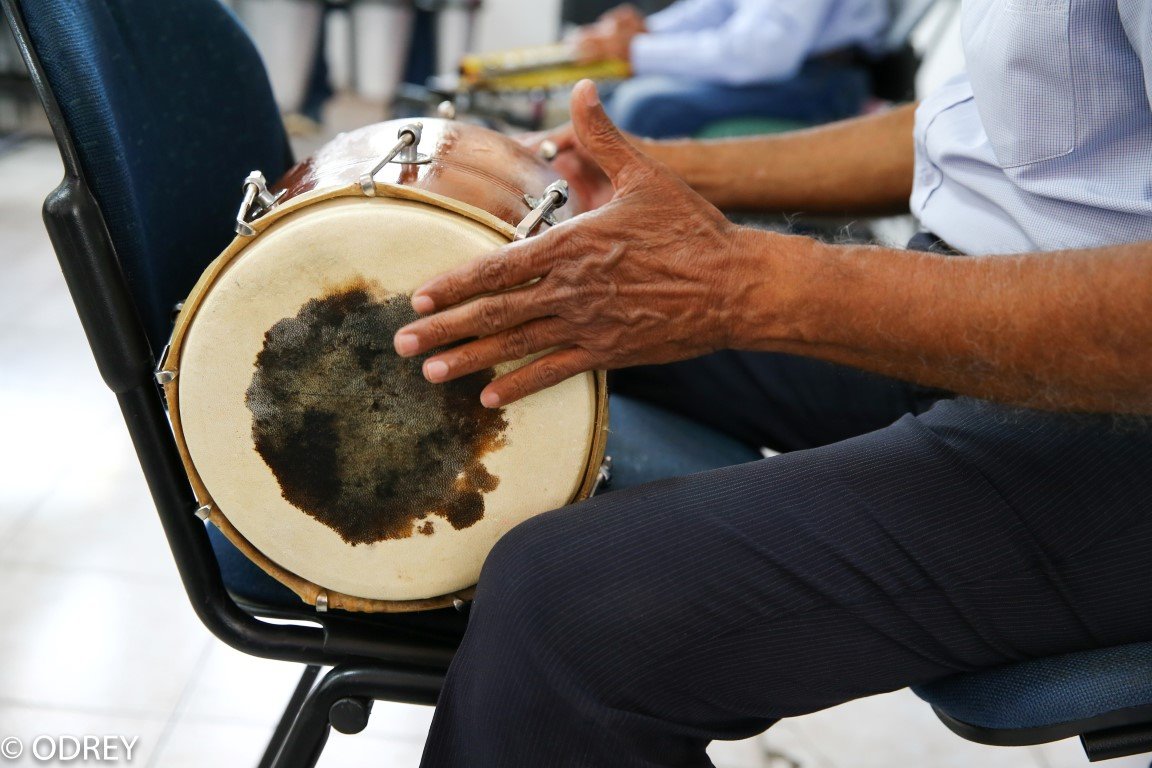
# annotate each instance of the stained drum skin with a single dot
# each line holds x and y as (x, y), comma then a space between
(355, 435)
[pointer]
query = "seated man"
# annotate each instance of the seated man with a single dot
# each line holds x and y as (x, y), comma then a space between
(1008, 521)
(701, 61)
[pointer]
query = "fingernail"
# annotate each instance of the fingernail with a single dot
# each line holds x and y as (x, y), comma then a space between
(591, 95)
(489, 399)
(435, 370)
(406, 344)
(422, 304)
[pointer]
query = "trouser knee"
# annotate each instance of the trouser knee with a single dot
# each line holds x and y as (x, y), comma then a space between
(646, 111)
(540, 590)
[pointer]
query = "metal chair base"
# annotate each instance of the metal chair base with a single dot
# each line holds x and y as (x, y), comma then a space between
(342, 700)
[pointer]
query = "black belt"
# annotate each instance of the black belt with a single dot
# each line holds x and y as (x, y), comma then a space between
(929, 243)
(852, 55)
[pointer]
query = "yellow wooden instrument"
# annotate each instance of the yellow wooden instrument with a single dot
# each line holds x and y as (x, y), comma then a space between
(544, 66)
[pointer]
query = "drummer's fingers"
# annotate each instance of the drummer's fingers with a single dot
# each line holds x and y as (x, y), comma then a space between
(483, 317)
(599, 135)
(506, 346)
(507, 268)
(562, 138)
(531, 140)
(547, 371)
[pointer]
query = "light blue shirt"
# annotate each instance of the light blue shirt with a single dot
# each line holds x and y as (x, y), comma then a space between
(1046, 142)
(740, 42)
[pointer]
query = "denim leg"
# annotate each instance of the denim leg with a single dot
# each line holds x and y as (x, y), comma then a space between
(784, 402)
(664, 107)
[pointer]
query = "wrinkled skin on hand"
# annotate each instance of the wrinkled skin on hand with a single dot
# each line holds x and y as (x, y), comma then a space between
(652, 276)
(587, 181)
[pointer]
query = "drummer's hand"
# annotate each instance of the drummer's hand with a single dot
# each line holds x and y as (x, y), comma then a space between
(588, 182)
(654, 276)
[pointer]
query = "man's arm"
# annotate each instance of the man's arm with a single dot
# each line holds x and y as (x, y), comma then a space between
(859, 167)
(1068, 331)
(657, 274)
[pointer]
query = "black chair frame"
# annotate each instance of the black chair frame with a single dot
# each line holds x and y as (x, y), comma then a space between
(1120, 733)
(370, 663)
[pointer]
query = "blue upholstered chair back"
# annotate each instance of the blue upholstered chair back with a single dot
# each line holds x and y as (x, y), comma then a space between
(169, 106)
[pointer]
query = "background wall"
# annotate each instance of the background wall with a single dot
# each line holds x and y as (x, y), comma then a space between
(512, 23)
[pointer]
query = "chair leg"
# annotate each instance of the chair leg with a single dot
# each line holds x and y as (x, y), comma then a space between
(299, 696)
(361, 684)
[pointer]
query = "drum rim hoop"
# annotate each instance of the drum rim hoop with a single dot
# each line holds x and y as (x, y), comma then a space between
(306, 590)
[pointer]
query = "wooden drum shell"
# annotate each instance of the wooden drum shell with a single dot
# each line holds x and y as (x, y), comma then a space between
(500, 178)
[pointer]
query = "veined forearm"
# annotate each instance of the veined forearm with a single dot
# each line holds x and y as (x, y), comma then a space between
(858, 167)
(1059, 331)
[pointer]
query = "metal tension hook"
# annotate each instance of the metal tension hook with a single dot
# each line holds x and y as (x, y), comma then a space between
(257, 202)
(554, 197)
(406, 152)
(603, 476)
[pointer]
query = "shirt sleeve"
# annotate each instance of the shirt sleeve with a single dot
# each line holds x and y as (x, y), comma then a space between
(1137, 18)
(690, 15)
(759, 42)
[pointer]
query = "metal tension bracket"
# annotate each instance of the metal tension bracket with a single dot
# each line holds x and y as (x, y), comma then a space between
(164, 377)
(554, 198)
(603, 476)
(406, 152)
(257, 202)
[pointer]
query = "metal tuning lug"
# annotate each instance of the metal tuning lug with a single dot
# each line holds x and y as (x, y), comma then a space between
(555, 197)
(257, 202)
(406, 152)
(446, 110)
(162, 376)
(322, 602)
(548, 150)
(604, 476)
(204, 512)
(458, 604)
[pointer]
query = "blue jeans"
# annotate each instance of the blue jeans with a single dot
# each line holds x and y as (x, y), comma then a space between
(665, 107)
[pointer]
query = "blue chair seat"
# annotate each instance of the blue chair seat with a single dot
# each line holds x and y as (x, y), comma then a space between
(1048, 699)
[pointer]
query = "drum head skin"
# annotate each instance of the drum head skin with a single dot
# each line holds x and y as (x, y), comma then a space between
(329, 453)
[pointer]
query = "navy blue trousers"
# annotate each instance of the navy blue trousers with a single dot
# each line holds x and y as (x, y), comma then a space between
(632, 629)
(671, 107)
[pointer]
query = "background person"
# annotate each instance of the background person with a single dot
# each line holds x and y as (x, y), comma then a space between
(701, 61)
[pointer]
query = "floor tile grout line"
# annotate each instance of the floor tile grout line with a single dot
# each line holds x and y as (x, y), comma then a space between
(809, 744)
(134, 577)
(409, 739)
(122, 575)
(10, 533)
(75, 709)
(1039, 757)
(181, 702)
(12, 530)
